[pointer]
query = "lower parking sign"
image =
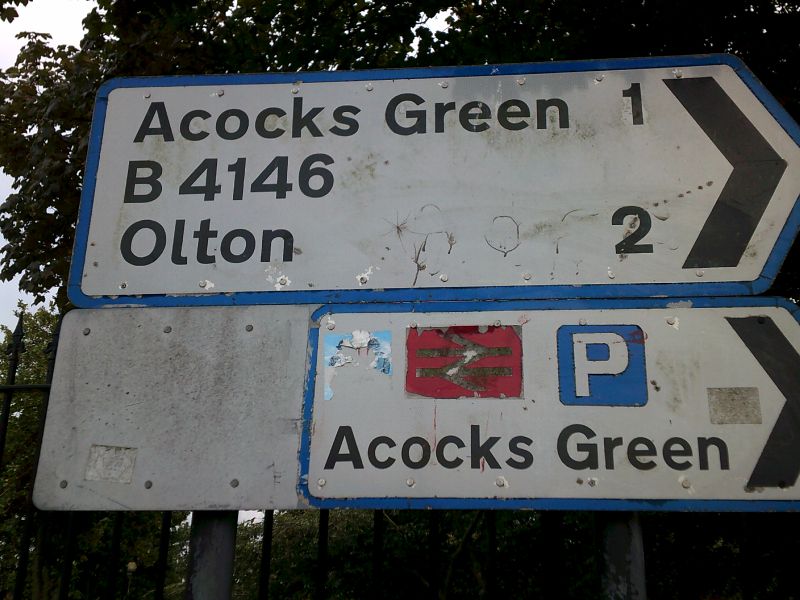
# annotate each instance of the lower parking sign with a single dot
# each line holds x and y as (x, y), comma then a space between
(643, 404)
(601, 365)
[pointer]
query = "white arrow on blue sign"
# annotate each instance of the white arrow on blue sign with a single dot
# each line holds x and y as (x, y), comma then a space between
(605, 178)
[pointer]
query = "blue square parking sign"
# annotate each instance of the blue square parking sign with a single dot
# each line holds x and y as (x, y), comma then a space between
(601, 365)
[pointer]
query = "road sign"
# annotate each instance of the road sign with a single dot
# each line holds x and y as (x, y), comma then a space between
(175, 409)
(643, 404)
(628, 177)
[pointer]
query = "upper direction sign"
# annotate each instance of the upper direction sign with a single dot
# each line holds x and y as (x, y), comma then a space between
(616, 178)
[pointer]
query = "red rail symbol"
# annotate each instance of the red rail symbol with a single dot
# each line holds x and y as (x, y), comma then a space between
(472, 361)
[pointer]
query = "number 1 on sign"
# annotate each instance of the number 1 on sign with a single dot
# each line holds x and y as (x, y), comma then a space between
(635, 94)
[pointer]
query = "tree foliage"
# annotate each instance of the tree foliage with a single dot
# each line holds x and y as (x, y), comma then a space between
(8, 11)
(91, 574)
(48, 95)
(16, 478)
(46, 102)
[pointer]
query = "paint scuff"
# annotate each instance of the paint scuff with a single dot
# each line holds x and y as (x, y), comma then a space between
(277, 278)
(363, 278)
(680, 304)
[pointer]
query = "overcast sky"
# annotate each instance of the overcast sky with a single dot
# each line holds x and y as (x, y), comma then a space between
(61, 19)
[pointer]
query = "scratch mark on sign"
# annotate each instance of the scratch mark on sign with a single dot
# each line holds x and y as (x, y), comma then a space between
(418, 261)
(451, 241)
(503, 235)
(399, 227)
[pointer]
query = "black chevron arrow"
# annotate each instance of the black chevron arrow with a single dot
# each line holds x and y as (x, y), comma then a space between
(757, 169)
(779, 463)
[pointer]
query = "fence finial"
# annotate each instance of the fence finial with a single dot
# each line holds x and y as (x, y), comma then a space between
(17, 345)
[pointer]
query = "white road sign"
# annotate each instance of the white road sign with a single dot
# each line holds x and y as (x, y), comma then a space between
(645, 404)
(514, 181)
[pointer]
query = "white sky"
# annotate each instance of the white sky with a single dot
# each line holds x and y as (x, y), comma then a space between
(61, 19)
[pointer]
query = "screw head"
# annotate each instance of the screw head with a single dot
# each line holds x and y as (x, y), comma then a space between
(686, 484)
(220, 92)
(248, 328)
(369, 87)
(123, 285)
(527, 276)
(363, 279)
(699, 272)
(295, 90)
(321, 482)
(148, 484)
(443, 277)
(500, 482)
(234, 483)
(331, 325)
(87, 331)
(410, 482)
(202, 284)
(63, 484)
(146, 95)
(444, 84)
(521, 81)
(167, 329)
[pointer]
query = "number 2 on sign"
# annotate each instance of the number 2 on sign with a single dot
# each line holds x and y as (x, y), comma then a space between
(640, 226)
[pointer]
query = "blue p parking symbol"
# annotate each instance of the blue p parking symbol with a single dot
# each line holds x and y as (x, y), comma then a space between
(601, 365)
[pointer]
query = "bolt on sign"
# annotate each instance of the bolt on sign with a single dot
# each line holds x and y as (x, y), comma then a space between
(669, 404)
(615, 178)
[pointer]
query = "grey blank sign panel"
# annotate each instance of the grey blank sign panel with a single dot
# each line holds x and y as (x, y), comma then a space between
(175, 408)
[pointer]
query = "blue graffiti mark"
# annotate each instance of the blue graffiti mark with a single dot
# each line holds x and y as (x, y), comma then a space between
(381, 345)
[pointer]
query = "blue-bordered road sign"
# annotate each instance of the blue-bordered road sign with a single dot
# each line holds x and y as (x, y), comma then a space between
(586, 179)
(645, 404)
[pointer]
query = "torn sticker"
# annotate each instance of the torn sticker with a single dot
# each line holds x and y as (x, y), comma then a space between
(110, 463)
(734, 406)
(350, 348)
